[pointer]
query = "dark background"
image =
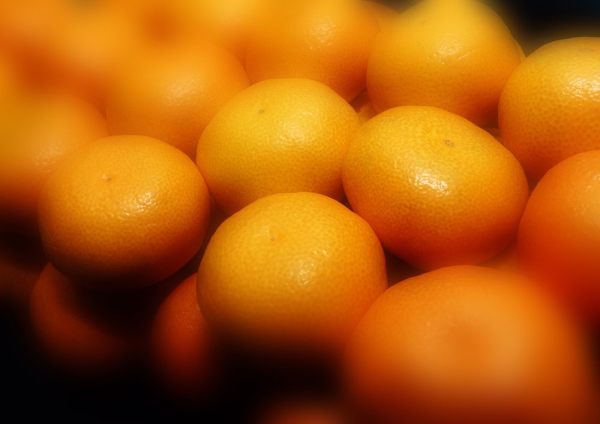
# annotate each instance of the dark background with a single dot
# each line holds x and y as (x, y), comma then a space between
(30, 390)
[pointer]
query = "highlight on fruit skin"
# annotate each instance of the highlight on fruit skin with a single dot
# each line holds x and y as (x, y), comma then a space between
(469, 344)
(436, 189)
(123, 213)
(289, 276)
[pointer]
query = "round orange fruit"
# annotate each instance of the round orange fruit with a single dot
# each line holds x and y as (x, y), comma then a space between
(290, 274)
(436, 189)
(550, 106)
(282, 135)
(328, 41)
(453, 55)
(559, 239)
(123, 212)
(467, 345)
(172, 92)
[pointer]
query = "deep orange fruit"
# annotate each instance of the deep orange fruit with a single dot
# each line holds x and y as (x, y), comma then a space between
(469, 345)
(123, 212)
(559, 240)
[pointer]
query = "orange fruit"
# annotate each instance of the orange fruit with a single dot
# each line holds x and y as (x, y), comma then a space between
(282, 135)
(468, 345)
(172, 93)
(37, 134)
(558, 238)
(82, 331)
(10, 81)
(436, 189)
(549, 108)
(123, 212)
(327, 41)
(456, 56)
(273, 285)
(364, 107)
(21, 262)
(181, 342)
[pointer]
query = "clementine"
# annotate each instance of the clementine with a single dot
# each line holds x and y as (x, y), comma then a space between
(436, 189)
(172, 92)
(272, 284)
(327, 41)
(559, 239)
(550, 106)
(123, 212)
(469, 345)
(453, 55)
(282, 135)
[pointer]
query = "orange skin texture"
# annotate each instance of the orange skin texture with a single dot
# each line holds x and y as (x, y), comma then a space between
(123, 213)
(559, 240)
(453, 56)
(272, 284)
(278, 136)
(81, 331)
(436, 189)
(21, 263)
(173, 92)
(180, 342)
(550, 106)
(469, 345)
(326, 41)
(39, 134)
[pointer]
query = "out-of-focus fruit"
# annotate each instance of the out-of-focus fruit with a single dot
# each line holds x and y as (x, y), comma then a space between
(181, 344)
(83, 332)
(172, 92)
(456, 56)
(36, 135)
(291, 274)
(469, 345)
(328, 41)
(559, 238)
(302, 411)
(123, 212)
(550, 106)
(278, 136)
(436, 189)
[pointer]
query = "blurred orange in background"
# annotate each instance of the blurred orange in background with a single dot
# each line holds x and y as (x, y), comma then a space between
(469, 345)
(328, 41)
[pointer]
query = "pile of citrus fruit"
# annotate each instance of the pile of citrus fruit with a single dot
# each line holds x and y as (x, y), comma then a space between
(401, 200)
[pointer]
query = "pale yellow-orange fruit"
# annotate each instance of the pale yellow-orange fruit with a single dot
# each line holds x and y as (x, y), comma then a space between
(550, 106)
(436, 189)
(278, 136)
(290, 275)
